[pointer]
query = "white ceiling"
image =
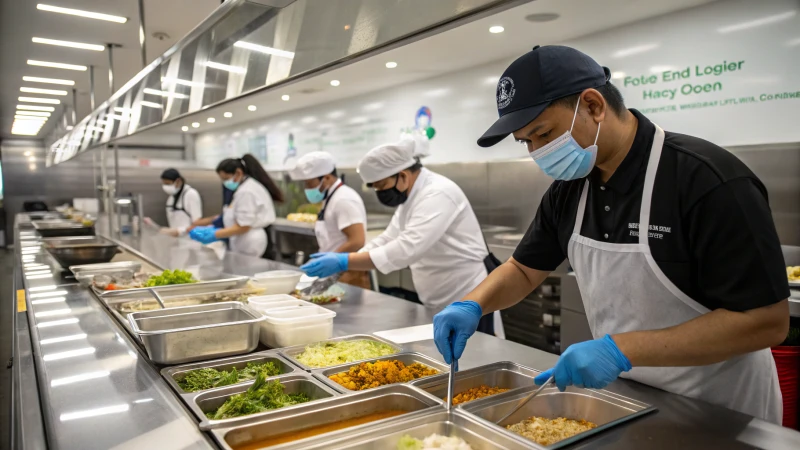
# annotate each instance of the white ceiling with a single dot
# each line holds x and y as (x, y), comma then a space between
(465, 46)
(20, 21)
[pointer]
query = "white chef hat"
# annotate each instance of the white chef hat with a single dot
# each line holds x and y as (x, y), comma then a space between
(386, 160)
(312, 165)
(422, 147)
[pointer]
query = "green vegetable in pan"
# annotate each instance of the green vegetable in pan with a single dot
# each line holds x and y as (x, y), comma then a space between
(168, 277)
(202, 379)
(261, 396)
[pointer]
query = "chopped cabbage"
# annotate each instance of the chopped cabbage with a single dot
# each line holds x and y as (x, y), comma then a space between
(326, 354)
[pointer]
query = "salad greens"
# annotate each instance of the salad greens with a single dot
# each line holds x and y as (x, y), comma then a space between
(168, 277)
(208, 378)
(261, 396)
(327, 354)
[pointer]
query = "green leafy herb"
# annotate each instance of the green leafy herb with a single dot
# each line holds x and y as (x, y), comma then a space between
(202, 379)
(261, 396)
(168, 277)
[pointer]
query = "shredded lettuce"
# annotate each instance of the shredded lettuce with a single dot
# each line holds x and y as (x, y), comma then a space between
(409, 443)
(168, 277)
(333, 353)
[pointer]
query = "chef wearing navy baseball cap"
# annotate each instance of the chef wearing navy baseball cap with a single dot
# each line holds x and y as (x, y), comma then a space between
(671, 239)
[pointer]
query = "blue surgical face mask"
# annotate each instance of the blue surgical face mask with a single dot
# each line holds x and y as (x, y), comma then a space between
(315, 195)
(564, 158)
(231, 184)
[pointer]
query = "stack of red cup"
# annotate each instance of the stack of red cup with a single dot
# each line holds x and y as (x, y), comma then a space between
(787, 360)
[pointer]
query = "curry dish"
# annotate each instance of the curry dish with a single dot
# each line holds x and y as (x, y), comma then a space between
(368, 375)
(545, 431)
(476, 393)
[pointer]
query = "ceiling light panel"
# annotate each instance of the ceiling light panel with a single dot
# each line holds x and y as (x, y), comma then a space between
(51, 101)
(151, 104)
(31, 90)
(56, 65)
(36, 108)
(70, 44)
(264, 49)
(33, 113)
(226, 67)
(81, 13)
(48, 80)
(164, 94)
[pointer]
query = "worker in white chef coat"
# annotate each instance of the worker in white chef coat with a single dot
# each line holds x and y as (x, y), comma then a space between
(342, 222)
(251, 210)
(184, 204)
(433, 231)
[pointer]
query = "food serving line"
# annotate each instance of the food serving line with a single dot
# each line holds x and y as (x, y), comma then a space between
(82, 379)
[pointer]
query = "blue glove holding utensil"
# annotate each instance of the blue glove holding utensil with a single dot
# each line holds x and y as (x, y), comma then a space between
(453, 326)
(326, 264)
(204, 235)
(591, 364)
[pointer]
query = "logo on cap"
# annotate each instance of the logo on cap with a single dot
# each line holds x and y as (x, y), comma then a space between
(505, 92)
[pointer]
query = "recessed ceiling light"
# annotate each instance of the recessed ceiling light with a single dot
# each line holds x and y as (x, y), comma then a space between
(52, 101)
(33, 113)
(391, 65)
(31, 90)
(32, 166)
(70, 127)
(227, 115)
(36, 108)
(184, 128)
(28, 153)
(542, 17)
(496, 29)
(211, 120)
(78, 12)
(335, 82)
(195, 124)
(56, 65)
(617, 75)
(151, 104)
(70, 44)
(226, 67)
(264, 49)
(252, 108)
(48, 80)
(31, 159)
(285, 97)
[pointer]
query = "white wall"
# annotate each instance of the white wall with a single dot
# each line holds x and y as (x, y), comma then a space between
(754, 104)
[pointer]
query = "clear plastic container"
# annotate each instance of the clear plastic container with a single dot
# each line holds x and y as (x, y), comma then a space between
(280, 304)
(278, 281)
(264, 300)
(298, 325)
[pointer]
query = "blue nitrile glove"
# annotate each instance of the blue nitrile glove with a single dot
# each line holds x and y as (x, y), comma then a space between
(453, 326)
(326, 264)
(204, 235)
(591, 364)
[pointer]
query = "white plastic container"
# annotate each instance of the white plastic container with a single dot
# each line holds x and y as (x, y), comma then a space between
(300, 325)
(278, 281)
(263, 301)
(280, 304)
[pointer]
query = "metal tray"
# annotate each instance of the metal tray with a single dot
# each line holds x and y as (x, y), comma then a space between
(176, 373)
(206, 401)
(194, 333)
(385, 435)
(84, 273)
(386, 398)
(291, 352)
(74, 250)
(406, 357)
(55, 228)
(503, 374)
(604, 408)
(201, 287)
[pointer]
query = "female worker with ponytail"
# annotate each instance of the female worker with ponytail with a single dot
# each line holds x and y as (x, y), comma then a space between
(251, 210)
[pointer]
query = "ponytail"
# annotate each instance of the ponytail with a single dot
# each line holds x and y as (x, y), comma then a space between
(251, 167)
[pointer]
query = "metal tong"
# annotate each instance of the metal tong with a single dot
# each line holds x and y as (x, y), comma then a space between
(451, 381)
(157, 297)
(525, 400)
(320, 285)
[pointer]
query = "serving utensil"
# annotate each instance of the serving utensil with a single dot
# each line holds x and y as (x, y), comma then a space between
(525, 400)
(321, 285)
(451, 381)
(158, 298)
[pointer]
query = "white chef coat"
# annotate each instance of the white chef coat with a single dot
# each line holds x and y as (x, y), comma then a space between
(342, 209)
(188, 208)
(251, 206)
(436, 234)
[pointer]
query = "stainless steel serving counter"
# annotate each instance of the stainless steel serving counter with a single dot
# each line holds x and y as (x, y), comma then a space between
(98, 391)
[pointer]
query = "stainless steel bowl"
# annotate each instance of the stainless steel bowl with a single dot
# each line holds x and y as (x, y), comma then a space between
(79, 250)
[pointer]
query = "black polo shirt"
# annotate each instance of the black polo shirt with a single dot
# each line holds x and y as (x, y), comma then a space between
(711, 228)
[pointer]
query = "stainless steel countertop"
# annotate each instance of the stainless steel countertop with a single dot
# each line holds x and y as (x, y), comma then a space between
(163, 422)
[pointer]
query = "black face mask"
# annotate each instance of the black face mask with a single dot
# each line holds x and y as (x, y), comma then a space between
(392, 197)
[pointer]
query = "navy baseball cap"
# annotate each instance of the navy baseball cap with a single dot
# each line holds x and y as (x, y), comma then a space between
(534, 80)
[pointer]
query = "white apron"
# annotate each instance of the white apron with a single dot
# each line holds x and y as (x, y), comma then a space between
(252, 243)
(177, 217)
(624, 290)
(320, 230)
